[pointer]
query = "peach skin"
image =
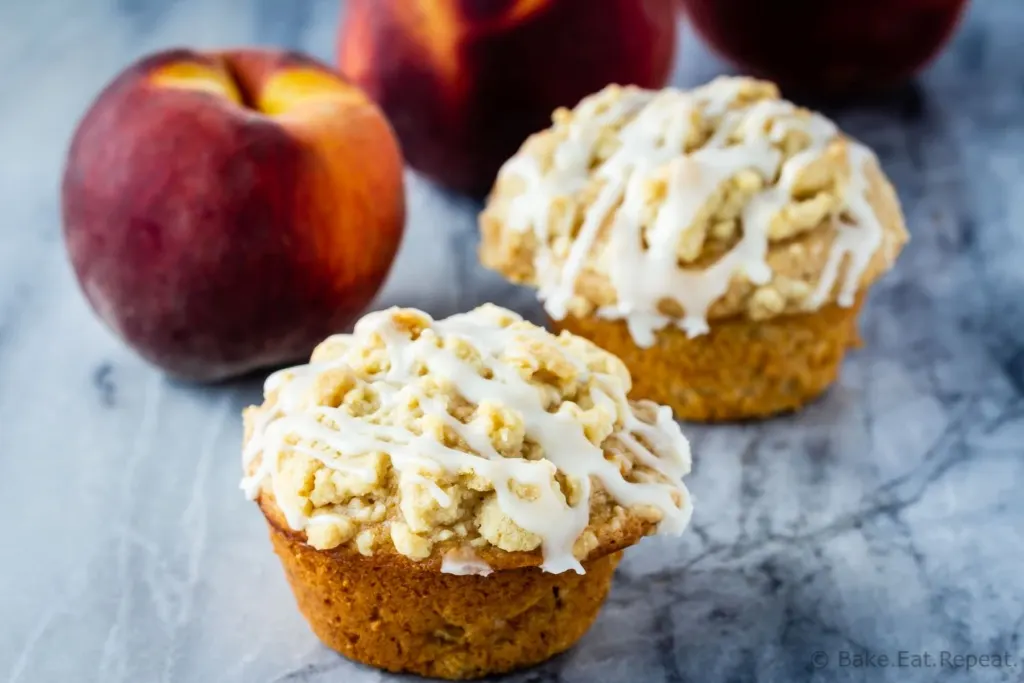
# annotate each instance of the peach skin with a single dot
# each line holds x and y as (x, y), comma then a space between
(828, 47)
(226, 211)
(465, 82)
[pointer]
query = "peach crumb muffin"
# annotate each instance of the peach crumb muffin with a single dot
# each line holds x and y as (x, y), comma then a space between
(450, 498)
(719, 241)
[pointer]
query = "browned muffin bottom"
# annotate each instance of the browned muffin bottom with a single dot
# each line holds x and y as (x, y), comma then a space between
(377, 611)
(404, 616)
(741, 369)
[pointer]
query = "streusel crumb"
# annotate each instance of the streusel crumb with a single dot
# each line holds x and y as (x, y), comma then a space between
(480, 430)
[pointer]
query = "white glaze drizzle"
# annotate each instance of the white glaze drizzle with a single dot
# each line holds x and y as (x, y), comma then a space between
(464, 562)
(565, 446)
(654, 138)
(859, 240)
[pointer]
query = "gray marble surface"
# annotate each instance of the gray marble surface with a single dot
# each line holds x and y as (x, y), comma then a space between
(887, 517)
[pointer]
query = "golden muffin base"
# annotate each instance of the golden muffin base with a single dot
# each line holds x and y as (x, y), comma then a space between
(387, 612)
(741, 369)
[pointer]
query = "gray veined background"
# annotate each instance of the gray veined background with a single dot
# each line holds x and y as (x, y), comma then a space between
(886, 517)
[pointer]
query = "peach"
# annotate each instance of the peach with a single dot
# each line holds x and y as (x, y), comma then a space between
(832, 47)
(464, 82)
(226, 211)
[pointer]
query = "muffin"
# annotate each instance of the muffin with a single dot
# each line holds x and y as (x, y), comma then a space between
(720, 241)
(450, 498)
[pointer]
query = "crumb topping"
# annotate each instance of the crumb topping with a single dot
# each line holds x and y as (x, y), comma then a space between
(480, 430)
(672, 206)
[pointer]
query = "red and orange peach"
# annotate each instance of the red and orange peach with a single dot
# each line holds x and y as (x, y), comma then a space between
(226, 211)
(832, 47)
(464, 82)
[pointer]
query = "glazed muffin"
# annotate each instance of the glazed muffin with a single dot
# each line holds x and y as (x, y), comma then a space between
(450, 498)
(719, 241)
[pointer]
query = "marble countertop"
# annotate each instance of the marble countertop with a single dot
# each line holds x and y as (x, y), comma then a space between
(885, 518)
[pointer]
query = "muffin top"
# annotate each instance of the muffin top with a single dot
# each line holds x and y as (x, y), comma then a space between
(472, 442)
(672, 207)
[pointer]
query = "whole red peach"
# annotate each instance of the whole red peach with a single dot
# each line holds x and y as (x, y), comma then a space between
(828, 46)
(226, 211)
(464, 82)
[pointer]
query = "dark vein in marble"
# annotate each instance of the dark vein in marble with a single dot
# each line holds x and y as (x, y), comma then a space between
(665, 645)
(943, 614)
(548, 672)
(1014, 369)
(307, 672)
(103, 382)
(16, 302)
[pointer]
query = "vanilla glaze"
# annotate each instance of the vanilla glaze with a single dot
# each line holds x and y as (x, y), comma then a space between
(500, 342)
(653, 127)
